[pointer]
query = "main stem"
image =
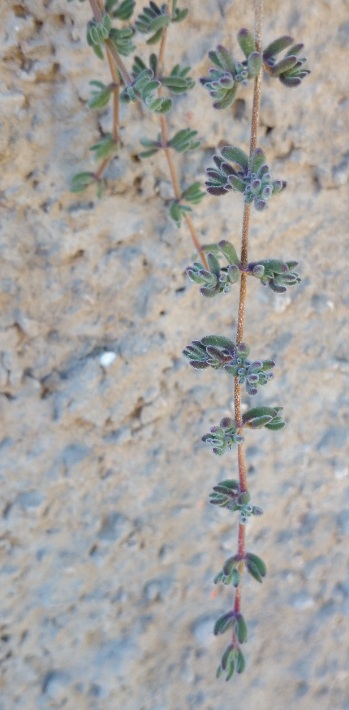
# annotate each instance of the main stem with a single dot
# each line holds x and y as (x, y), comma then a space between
(258, 10)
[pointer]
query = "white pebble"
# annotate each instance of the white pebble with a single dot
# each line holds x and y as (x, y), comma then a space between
(107, 358)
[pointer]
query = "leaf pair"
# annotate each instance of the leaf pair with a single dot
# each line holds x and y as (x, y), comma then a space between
(232, 660)
(193, 194)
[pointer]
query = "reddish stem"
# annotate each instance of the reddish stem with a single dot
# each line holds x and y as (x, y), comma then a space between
(258, 5)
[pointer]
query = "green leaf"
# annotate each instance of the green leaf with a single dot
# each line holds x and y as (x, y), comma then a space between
(258, 562)
(257, 160)
(258, 412)
(277, 46)
(122, 40)
(240, 661)
(246, 42)
(100, 99)
(227, 100)
(213, 264)
(194, 193)
(241, 628)
(276, 425)
(230, 668)
(225, 58)
(233, 273)
(235, 577)
(283, 66)
(223, 623)
(184, 141)
(219, 341)
(228, 566)
(237, 183)
(254, 572)
(81, 181)
(236, 155)
(159, 23)
(175, 212)
(254, 63)
(105, 148)
(228, 250)
(227, 655)
(124, 11)
(155, 37)
(179, 15)
(98, 51)
(275, 266)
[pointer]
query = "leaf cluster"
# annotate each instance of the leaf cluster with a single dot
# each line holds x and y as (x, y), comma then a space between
(235, 171)
(145, 88)
(223, 437)
(121, 11)
(216, 280)
(183, 141)
(223, 79)
(232, 619)
(219, 352)
(232, 660)
(226, 435)
(230, 573)
(276, 274)
(193, 194)
(81, 181)
(228, 494)
(154, 19)
(97, 33)
(290, 69)
(259, 417)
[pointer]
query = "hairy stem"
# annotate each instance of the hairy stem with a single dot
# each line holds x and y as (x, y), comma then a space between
(98, 10)
(258, 9)
(168, 152)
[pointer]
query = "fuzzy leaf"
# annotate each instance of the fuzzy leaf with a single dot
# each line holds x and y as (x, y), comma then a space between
(284, 65)
(277, 46)
(258, 412)
(236, 155)
(81, 181)
(236, 183)
(241, 628)
(213, 264)
(223, 623)
(258, 562)
(258, 159)
(246, 42)
(229, 252)
(254, 63)
(275, 425)
(219, 341)
(226, 100)
(240, 661)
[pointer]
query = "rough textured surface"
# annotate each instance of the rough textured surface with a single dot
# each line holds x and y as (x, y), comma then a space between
(108, 544)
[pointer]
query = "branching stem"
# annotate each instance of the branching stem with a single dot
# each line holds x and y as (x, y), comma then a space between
(115, 66)
(258, 10)
(168, 152)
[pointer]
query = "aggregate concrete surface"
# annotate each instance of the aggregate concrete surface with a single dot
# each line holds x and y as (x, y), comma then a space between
(108, 543)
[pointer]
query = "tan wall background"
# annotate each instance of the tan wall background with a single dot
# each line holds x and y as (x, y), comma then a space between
(108, 544)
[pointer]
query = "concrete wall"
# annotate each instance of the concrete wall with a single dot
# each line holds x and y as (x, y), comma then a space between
(108, 543)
